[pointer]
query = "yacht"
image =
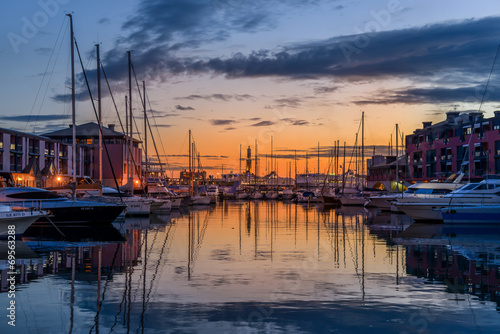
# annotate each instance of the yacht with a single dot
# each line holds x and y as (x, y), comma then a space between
(213, 193)
(415, 191)
(486, 192)
(136, 205)
(61, 209)
(15, 222)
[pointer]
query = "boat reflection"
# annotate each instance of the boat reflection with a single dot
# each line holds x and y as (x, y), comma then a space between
(466, 257)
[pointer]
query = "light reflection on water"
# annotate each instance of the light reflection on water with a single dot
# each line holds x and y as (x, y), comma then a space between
(253, 267)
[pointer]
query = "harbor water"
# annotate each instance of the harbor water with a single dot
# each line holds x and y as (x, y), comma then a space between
(256, 267)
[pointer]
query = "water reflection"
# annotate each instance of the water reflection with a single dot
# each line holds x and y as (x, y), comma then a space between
(259, 266)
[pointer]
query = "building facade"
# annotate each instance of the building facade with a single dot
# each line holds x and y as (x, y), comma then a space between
(465, 142)
(36, 161)
(115, 153)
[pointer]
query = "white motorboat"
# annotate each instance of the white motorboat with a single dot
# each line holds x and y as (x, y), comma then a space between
(213, 193)
(485, 192)
(415, 191)
(15, 222)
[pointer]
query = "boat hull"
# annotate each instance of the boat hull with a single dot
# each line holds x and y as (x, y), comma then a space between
(484, 214)
(21, 220)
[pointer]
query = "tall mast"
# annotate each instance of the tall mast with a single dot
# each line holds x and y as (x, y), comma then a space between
(295, 158)
(397, 160)
(127, 159)
(362, 149)
(190, 172)
(73, 108)
(240, 161)
(131, 176)
(99, 115)
(145, 134)
(272, 166)
(318, 160)
(256, 163)
(343, 172)
(307, 170)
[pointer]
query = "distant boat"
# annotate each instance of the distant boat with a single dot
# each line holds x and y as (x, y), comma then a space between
(256, 195)
(287, 194)
(357, 200)
(20, 220)
(272, 195)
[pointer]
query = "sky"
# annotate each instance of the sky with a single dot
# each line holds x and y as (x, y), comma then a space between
(237, 73)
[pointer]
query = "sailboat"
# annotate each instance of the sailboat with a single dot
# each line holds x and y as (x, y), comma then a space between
(355, 196)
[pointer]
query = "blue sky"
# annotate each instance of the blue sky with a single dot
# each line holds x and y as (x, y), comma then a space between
(234, 71)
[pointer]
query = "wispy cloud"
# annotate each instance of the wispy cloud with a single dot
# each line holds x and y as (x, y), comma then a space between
(215, 97)
(263, 123)
(34, 118)
(222, 121)
(179, 107)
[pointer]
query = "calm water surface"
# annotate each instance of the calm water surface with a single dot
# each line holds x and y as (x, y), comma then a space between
(257, 267)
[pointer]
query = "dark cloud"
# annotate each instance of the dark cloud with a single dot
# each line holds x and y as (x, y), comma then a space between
(220, 97)
(229, 128)
(325, 89)
(179, 107)
(104, 21)
(289, 102)
(222, 121)
(263, 123)
(34, 118)
(163, 33)
(163, 125)
(466, 48)
(472, 94)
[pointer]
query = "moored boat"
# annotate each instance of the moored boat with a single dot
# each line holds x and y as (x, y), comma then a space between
(481, 214)
(15, 222)
(61, 209)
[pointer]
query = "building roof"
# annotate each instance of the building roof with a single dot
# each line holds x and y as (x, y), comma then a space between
(86, 130)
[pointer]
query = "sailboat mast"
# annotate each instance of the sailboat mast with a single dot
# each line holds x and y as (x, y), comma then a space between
(343, 172)
(397, 160)
(145, 133)
(73, 105)
(307, 170)
(190, 172)
(318, 160)
(99, 115)
(362, 149)
(131, 176)
(127, 159)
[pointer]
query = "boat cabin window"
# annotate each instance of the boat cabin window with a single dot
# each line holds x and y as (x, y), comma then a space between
(35, 195)
(423, 191)
(469, 186)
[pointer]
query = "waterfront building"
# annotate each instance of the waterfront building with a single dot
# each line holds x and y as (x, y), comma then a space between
(37, 161)
(381, 172)
(463, 141)
(115, 143)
